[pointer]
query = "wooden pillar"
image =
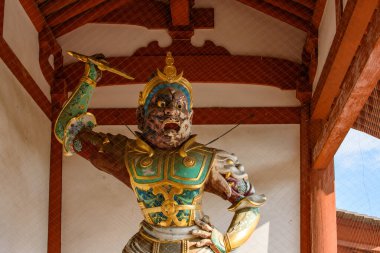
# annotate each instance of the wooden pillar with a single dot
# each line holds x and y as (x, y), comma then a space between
(58, 96)
(305, 196)
(323, 211)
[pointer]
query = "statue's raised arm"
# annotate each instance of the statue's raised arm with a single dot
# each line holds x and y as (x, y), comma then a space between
(73, 126)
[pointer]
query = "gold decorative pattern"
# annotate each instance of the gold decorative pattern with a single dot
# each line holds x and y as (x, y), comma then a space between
(169, 76)
(172, 170)
(189, 161)
(146, 162)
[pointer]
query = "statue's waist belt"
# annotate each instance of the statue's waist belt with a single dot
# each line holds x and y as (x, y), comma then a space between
(170, 208)
(166, 234)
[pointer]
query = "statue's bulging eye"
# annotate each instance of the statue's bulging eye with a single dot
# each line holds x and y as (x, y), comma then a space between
(161, 103)
(179, 106)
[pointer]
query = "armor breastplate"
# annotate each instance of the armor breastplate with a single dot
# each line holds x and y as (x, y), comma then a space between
(168, 184)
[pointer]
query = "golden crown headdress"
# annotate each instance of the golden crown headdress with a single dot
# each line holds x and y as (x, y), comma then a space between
(168, 77)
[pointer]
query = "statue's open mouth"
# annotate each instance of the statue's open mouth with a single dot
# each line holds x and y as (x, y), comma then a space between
(171, 125)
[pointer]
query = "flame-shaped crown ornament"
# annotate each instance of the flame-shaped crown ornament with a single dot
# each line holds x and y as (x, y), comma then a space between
(168, 78)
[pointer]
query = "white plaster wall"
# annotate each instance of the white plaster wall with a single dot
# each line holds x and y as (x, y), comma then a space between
(100, 214)
(205, 95)
(246, 31)
(344, 3)
(24, 169)
(239, 28)
(111, 40)
(327, 30)
(22, 38)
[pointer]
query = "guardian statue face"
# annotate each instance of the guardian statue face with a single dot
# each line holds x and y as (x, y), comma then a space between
(165, 108)
(166, 121)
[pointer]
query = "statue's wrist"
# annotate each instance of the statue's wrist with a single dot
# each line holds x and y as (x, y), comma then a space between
(227, 243)
(218, 241)
(92, 74)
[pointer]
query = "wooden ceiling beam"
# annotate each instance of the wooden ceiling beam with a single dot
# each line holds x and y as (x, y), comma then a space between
(360, 80)
(156, 15)
(278, 13)
(180, 12)
(49, 7)
(72, 11)
(202, 69)
(310, 55)
(293, 8)
(89, 16)
(31, 8)
(352, 28)
(307, 3)
(209, 115)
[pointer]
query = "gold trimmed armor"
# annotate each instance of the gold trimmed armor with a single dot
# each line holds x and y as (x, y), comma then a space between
(169, 184)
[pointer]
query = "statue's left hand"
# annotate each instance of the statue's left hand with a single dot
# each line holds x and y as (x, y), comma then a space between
(210, 236)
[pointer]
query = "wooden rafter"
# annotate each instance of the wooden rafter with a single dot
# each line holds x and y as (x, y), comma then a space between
(351, 30)
(155, 16)
(293, 8)
(72, 11)
(310, 55)
(89, 16)
(210, 69)
(305, 180)
(277, 13)
(180, 12)
(360, 80)
(52, 6)
(307, 3)
(209, 116)
(31, 8)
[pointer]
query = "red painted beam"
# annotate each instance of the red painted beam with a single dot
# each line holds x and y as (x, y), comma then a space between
(323, 210)
(55, 196)
(293, 8)
(180, 12)
(209, 116)
(72, 11)
(58, 97)
(154, 15)
(359, 82)
(88, 17)
(204, 69)
(353, 26)
(52, 6)
(23, 76)
(305, 180)
(307, 3)
(31, 8)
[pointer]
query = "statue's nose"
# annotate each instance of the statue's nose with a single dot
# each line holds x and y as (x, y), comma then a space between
(170, 110)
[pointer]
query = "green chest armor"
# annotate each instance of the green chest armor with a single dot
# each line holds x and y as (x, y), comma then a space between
(168, 184)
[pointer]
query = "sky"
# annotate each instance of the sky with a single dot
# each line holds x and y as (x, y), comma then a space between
(357, 174)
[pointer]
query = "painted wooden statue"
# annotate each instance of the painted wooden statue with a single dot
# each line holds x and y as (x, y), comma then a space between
(164, 166)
